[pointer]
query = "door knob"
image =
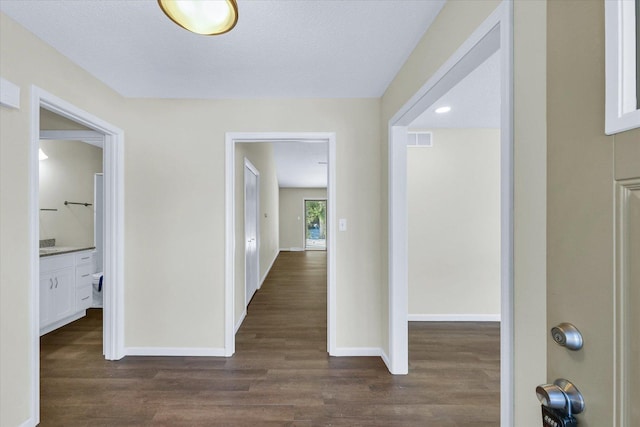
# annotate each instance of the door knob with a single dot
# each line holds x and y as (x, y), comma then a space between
(562, 394)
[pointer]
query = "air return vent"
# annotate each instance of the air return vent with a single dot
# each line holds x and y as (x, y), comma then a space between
(419, 139)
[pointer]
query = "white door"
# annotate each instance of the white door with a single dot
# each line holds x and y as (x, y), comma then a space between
(251, 194)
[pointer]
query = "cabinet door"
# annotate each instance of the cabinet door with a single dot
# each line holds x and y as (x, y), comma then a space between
(46, 299)
(64, 293)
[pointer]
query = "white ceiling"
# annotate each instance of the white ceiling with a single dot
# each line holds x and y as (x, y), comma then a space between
(279, 48)
(474, 102)
(300, 164)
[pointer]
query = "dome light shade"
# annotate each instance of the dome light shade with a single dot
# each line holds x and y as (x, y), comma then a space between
(206, 17)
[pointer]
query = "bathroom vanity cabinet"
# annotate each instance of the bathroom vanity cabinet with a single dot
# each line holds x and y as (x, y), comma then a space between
(65, 288)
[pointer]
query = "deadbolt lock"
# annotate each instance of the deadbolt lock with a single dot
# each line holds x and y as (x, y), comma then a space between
(567, 335)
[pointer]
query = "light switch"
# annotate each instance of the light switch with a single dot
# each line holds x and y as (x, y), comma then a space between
(342, 224)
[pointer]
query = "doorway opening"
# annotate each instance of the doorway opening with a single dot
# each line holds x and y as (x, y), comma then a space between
(494, 34)
(94, 131)
(71, 220)
(453, 193)
(315, 224)
(235, 309)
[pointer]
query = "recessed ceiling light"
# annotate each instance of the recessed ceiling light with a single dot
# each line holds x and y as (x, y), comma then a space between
(443, 110)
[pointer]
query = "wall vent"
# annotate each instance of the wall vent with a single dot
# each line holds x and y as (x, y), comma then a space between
(419, 139)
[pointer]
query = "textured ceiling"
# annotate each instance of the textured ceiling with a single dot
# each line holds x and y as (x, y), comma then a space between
(280, 48)
(474, 102)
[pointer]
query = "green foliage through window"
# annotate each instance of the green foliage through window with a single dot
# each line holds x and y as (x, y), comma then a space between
(316, 219)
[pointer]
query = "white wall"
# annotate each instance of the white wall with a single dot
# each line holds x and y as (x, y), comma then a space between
(261, 156)
(68, 174)
(454, 226)
(292, 217)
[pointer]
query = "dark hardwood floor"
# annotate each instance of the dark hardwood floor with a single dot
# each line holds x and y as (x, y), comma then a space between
(280, 375)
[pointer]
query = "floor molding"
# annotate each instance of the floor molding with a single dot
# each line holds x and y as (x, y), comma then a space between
(357, 351)
(239, 323)
(29, 423)
(385, 359)
(175, 351)
(266, 273)
(60, 323)
(454, 318)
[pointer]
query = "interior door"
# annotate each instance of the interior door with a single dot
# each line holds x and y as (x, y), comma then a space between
(251, 194)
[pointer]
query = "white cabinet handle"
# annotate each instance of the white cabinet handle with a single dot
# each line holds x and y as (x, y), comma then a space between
(85, 275)
(56, 283)
(85, 298)
(50, 283)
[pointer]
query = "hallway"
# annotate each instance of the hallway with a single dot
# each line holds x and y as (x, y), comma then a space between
(289, 312)
(280, 375)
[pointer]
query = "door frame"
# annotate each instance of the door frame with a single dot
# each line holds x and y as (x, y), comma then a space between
(113, 168)
(496, 32)
(233, 138)
(304, 222)
(256, 172)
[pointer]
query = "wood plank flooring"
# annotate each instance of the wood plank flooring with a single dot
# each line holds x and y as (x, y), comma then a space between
(280, 375)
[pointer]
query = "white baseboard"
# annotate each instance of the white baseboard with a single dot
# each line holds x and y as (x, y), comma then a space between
(266, 273)
(174, 351)
(294, 249)
(454, 318)
(60, 323)
(242, 316)
(385, 359)
(29, 423)
(357, 351)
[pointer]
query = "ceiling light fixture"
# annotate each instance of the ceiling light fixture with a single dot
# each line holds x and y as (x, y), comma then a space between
(41, 155)
(443, 110)
(206, 17)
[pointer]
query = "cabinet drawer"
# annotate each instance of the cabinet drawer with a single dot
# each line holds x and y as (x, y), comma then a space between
(84, 275)
(84, 257)
(83, 297)
(55, 262)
